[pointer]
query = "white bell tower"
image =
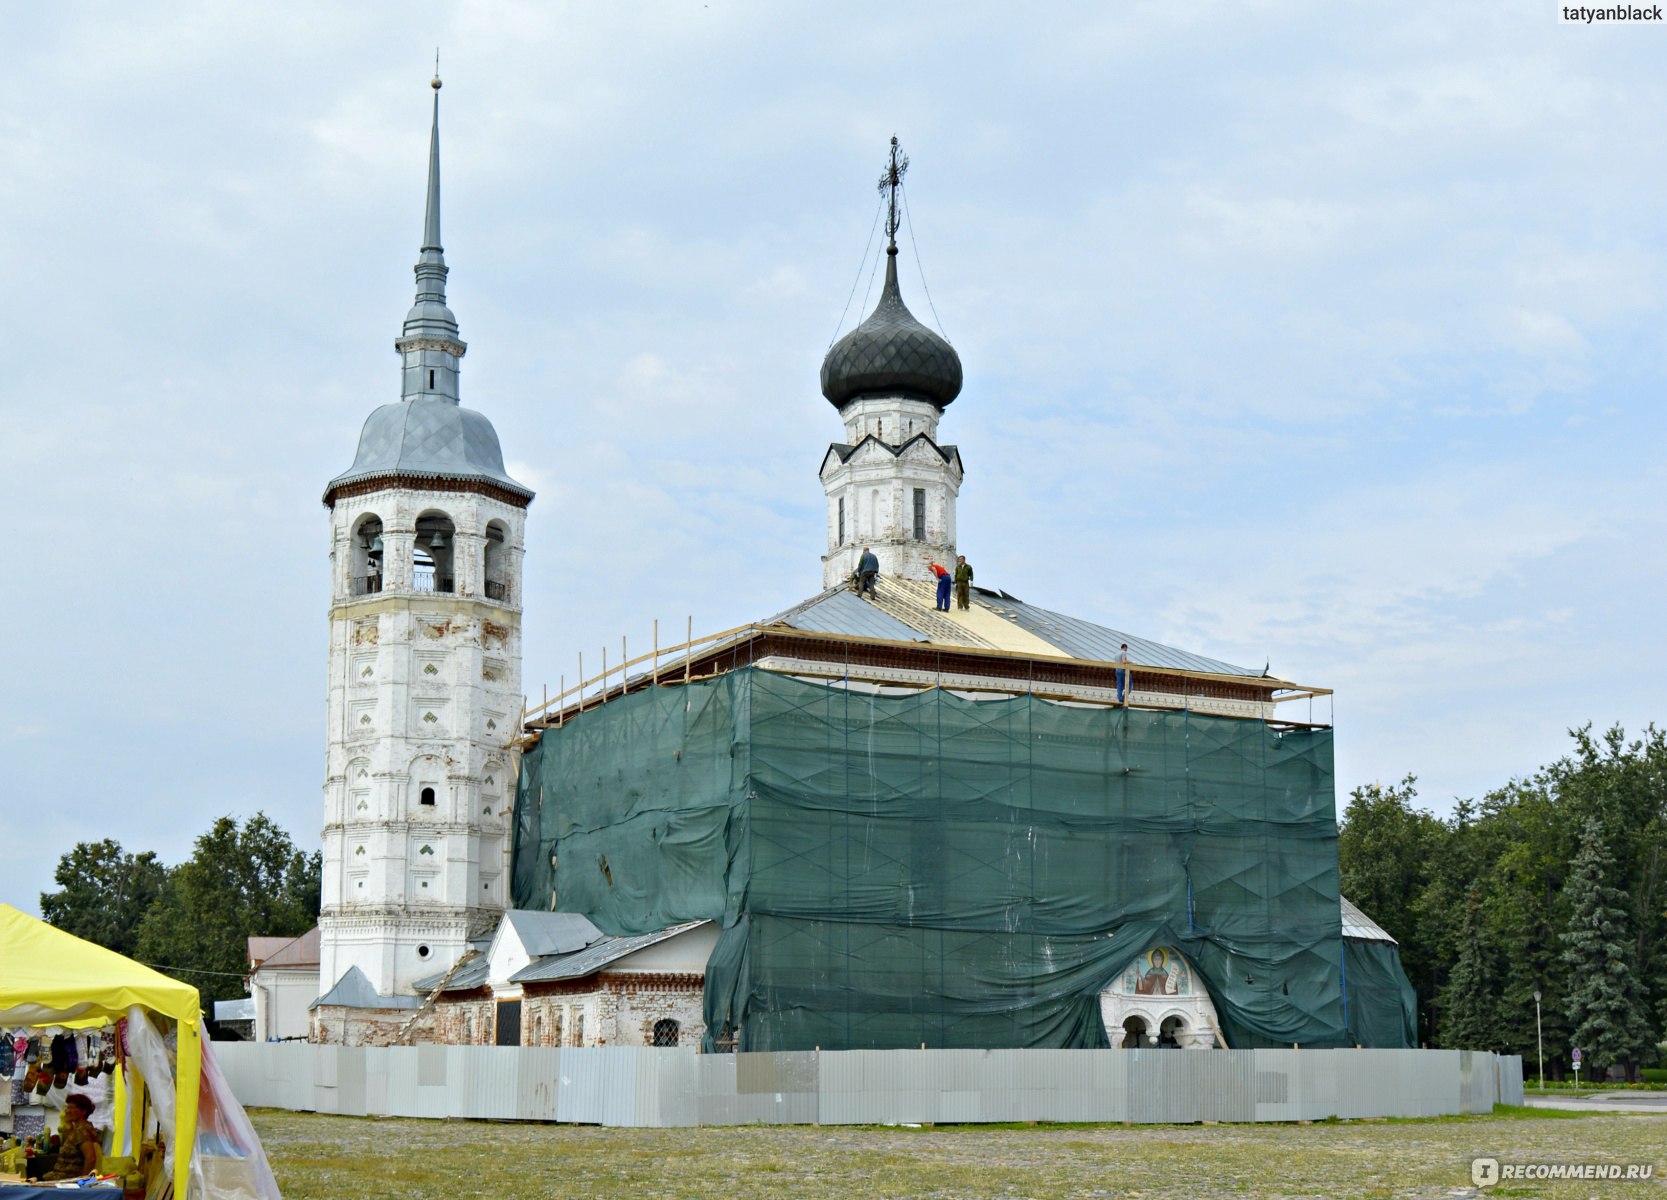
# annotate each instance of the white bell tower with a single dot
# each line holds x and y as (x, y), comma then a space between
(426, 542)
(890, 485)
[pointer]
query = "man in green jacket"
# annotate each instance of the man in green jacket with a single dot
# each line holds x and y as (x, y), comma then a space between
(963, 582)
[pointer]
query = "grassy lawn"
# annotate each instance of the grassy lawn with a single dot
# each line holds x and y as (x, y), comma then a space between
(319, 1156)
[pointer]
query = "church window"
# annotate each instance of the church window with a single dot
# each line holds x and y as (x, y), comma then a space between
(920, 514)
(431, 380)
(665, 1032)
(579, 1028)
(422, 951)
(428, 795)
(840, 541)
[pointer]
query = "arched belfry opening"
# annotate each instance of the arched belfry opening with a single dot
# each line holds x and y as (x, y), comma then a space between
(495, 562)
(367, 556)
(432, 552)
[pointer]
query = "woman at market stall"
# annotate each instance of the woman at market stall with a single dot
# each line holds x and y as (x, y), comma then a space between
(78, 1140)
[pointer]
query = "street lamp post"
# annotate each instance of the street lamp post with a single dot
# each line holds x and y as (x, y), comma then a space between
(1539, 1037)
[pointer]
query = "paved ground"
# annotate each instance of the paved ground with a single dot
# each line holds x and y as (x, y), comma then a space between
(1601, 1101)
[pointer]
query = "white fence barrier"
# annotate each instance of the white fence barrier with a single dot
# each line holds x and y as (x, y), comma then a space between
(643, 1086)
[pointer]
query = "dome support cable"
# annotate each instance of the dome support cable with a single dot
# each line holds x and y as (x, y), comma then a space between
(914, 243)
(878, 208)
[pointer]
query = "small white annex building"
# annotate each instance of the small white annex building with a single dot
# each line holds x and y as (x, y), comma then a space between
(283, 983)
(555, 979)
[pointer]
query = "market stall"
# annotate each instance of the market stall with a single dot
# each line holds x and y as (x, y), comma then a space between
(53, 983)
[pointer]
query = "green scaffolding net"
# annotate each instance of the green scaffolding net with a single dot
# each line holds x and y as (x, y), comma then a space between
(892, 870)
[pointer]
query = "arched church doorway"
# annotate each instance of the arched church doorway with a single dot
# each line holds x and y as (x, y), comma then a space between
(1172, 1034)
(1134, 1034)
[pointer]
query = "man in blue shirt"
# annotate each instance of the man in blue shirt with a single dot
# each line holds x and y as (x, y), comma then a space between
(868, 570)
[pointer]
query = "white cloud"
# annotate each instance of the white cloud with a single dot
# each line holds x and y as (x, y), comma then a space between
(1335, 344)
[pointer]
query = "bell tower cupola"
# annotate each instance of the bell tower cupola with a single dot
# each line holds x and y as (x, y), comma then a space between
(890, 485)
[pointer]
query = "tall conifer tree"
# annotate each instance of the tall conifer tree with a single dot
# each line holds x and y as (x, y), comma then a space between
(1605, 1002)
(1470, 1001)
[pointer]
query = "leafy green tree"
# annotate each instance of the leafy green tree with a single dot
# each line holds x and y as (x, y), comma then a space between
(1605, 1002)
(1469, 1000)
(240, 881)
(1526, 913)
(1385, 849)
(104, 893)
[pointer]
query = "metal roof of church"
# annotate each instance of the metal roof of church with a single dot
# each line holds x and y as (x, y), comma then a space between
(1358, 927)
(472, 975)
(355, 990)
(595, 956)
(905, 611)
(842, 611)
(294, 952)
(543, 933)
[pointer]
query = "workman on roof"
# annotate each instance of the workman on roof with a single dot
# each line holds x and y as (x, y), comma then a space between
(963, 582)
(868, 570)
(945, 579)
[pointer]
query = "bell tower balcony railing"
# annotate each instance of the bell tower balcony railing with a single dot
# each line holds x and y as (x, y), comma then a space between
(427, 584)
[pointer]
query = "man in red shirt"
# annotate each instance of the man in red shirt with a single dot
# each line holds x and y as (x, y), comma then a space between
(945, 579)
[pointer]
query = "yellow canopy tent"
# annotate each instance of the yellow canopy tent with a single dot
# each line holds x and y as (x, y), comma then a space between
(49, 977)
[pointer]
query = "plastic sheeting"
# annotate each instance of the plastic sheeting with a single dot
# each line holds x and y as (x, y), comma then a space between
(896, 870)
(1382, 1007)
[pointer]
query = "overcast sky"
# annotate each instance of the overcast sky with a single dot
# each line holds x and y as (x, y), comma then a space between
(1323, 335)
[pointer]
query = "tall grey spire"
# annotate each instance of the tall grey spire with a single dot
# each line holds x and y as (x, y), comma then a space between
(427, 433)
(429, 343)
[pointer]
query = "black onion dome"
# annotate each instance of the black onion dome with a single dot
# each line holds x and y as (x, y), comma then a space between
(891, 354)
